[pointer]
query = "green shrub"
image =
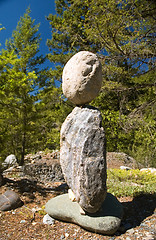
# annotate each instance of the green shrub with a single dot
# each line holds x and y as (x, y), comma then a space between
(130, 183)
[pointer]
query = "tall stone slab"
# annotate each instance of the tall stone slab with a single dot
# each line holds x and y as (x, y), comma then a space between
(83, 157)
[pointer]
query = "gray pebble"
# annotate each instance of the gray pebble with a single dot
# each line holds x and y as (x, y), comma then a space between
(143, 224)
(147, 221)
(22, 221)
(48, 220)
(130, 231)
(149, 236)
(152, 227)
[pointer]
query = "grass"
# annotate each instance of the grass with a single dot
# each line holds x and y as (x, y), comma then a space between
(130, 183)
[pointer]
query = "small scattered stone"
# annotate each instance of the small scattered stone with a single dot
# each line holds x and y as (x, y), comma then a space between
(48, 220)
(148, 170)
(71, 195)
(149, 236)
(125, 168)
(147, 221)
(34, 223)
(23, 221)
(10, 161)
(128, 238)
(153, 226)
(143, 224)
(130, 231)
(66, 235)
(36, 209)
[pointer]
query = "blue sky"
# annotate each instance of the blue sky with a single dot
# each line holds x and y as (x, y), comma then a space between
(12, 10)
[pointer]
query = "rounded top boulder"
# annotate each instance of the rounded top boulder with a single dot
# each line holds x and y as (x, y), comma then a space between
(82, 78)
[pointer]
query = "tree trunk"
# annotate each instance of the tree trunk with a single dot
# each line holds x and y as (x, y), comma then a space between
(24, 135)
(23, 149)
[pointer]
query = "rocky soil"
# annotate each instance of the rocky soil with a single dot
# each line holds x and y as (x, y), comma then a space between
(26, 222)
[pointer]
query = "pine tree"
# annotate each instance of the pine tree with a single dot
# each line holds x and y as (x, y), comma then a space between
(122, 34)
(7, 74)
(52, 110)
(20, 81)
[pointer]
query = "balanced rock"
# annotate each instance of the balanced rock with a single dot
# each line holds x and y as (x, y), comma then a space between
(83, 157)
(105, 221)
(82, 78)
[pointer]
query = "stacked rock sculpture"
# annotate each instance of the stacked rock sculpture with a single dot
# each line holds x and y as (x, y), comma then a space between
(83, 152)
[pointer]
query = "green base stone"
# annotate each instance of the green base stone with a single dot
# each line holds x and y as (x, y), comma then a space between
(106, 221)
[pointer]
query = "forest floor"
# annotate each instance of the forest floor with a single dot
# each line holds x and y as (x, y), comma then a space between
(26, 222)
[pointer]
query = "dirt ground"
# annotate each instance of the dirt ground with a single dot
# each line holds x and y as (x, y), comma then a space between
(26, 222)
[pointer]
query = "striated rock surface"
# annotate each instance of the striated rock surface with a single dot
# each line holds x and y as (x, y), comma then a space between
(82, 78)
(83, 157)
(105, 221)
